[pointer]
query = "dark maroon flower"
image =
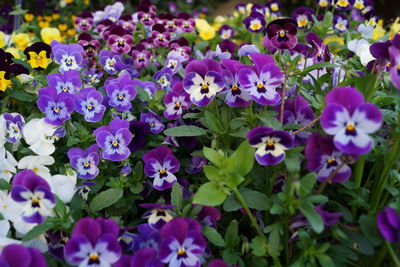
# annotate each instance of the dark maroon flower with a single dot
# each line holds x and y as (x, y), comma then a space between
(282, 33)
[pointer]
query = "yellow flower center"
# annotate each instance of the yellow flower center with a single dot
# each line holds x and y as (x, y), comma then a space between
(302, 22)
(350, 127)
(282, 33)
(260, 85)
(56, 110)
(90, 107)
(181, 252)
(120, 97)
(35, 170)
(235, 87)
(86, 164)
(115, 143)
(274, 7)
(342, 3)
(255, 26)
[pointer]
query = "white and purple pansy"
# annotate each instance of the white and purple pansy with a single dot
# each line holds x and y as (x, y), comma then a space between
(56, 107)
(153, 120)
(203, 80)
(157, 215)
(110, 61)
(35, 196)
(182, 243)
(175, 102)
(69, 82)
(349, 119)
(114, 140)
(262, 81)
(161, 165)
(236, 96)
(69, 57)
(271, 144)
(14, 123)
(163, 79)
(89, 103)
(121, 92)
(85, 161)
(323, 158)
(94, 242)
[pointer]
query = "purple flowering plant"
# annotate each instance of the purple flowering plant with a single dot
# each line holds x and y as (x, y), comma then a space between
(158, 135)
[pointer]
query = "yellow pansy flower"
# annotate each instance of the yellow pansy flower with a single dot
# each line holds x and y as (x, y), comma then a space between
(71, 32)
(395, 28)
(4, 83)
(334, 39)
(21, 40)
(38, 60)
(43, 24)
(55, 16)
(206, 32)
(50, 34)
(2, 39)
(63, 27)
(28, 17)
(379, 31)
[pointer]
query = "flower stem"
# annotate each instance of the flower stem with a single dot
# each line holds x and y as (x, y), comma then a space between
(308, 125)
(358, 173)
(329, 179)
(396, 261)
(282, 110)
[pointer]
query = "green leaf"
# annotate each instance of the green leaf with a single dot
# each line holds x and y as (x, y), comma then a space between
(358, 242)
(233, 180)
(213, 236)
(254, 199)
(214, 156)
(307, 183)
(212, 173)
(312, 216)
(325, 260)
(4, 185)
(106, 199)
(177, 196)
(142, 94)
(243, 159)
(293, 160)
(318, 66)
(38, 230)
(213, 123)
(268, 118)
(209, 194)
(185, 130)
(258, 246)
(231, 234)
(201, 45)
(60, 208)
(21, 95)
(73, 141)
(369, 229)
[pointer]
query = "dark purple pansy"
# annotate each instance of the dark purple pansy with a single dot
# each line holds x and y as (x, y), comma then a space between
(388, 222)
(349, 119)
(160, 36)
(93, 243)
(141, 59)
(126, 22)
(15, 255)
(69, 57)
(114, 140)
(196, 165)
(146, 237)
(139, 130)
(323, 158)
(341, 22)
(146, 18)
(161, 165)
(282, 33)
(185, 22)
(56, 107)
(226, 32)
(255, 22)
(236, 96)
(146, 257)
(89, 103)
(84, 21)
(175, 102)
(182, 243)
(209, 216)
(274, 5)
(90, 46)
(85, 161)
(153, 121)
(34, 193)
(320, 51)
(394, 72)
(270, 144)
(68, 82)
(121, 91)
(262, 80)
(14, 125)
(302, 16)
(203, 80)
(110, 61)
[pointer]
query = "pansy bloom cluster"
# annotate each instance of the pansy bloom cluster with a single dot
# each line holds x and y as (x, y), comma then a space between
(159, 135)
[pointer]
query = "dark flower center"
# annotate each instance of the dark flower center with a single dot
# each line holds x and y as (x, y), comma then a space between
(204, 88)
(163, 173)
(282, 37)
(331, 162)
(270, 145)
(121, 43)
(181, 253)
(177, 106)
(94, 258)
(261, 88)
(235, 89)
(351, 129)
(161, 213)
(35, 203)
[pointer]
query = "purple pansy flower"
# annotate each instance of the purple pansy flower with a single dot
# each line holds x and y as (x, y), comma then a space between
(161, 165)
(274, 5)
(349, 119)
(85, 162)
(394, 72)
(255, 22)
(388, 222)
(111, 62)
(114, 140)
(343, 5)
(35, 196)
(89, 103)
(56, 107)
(262, 80)
(236, 96)
(175, 102)
(70, 57)
(182, 243)
(282, 33)
(298, 111)
(153, 120)
(185, 22)
(160, 36)
(196, 165)
(303, 16)
(141, 59)
(146, 237)
(92, 77)
(174, 61)
(323, 158)
(146, 18)
(15, 255)
(203, 80)
(93, 243)
(69, 82)
(157, 215)
(84, 22)
(341, 23)
(320, 50)
(121, 92)
(270, 144)
(226, 32)
(139, 130)
(146, 257)
(127, 22)
(120, 40)
(163, 79)
(14, 124)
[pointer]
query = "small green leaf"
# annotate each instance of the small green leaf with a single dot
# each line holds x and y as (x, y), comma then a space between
(38, 230)
(214, 156)
(213, 236)
(307, 183)
(106, 199)
(258, 246)
(209, 194)
(4, 185)
(213, 123)
(369, 229)
(212, 173)
(243, 159)
(312, 216)
(177, 196)
(318, 66)
(21, 95)
(254, 199)
(233, 180)
(231, 234)
(185, 130)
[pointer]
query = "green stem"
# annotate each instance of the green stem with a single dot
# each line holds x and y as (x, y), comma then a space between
(380, 256)
(396, 260)
(358, 172)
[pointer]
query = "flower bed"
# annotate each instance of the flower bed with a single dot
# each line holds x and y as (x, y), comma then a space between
(174, 139)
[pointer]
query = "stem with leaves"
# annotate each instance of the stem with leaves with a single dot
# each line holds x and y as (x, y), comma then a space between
(396, 260)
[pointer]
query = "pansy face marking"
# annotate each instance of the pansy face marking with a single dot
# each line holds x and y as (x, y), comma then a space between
(68, 62)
